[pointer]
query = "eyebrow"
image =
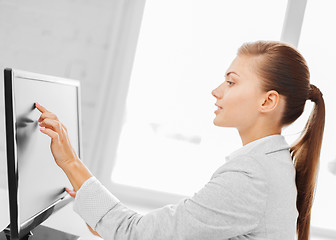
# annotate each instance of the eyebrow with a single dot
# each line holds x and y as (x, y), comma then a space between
(230, 73)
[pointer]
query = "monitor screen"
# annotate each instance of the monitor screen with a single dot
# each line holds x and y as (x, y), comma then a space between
(36, 184)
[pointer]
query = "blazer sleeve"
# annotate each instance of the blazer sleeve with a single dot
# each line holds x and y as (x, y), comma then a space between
(230, 204)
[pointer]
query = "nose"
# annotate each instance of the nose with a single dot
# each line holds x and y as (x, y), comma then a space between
(215, 94)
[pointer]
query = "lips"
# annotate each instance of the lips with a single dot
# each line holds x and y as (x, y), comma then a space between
(218, 107)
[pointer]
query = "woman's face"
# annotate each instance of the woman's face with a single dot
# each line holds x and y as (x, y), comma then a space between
(239, 96)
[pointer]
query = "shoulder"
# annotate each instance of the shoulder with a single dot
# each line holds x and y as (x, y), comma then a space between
(246, 177)
(250, 165)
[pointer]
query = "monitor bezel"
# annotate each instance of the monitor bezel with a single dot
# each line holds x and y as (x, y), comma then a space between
(18, 230)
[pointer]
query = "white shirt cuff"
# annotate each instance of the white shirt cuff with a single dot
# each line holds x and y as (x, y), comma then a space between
(93, 201)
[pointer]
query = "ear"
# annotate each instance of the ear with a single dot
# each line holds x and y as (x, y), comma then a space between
(270, 101)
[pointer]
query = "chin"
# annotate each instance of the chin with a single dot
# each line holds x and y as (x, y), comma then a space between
(219, 123)
(216, 123)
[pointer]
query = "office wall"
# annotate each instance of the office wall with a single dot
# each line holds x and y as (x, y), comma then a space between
(62, 38)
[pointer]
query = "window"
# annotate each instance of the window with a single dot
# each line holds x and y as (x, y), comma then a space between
(168, 141)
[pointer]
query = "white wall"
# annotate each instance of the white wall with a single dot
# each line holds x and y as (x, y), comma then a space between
(62, 38)
(70, 39)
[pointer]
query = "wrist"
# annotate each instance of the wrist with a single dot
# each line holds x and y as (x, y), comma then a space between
(77, 173)
(72, 163)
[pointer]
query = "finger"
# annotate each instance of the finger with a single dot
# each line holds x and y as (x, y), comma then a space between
(50, 133)
(40, 108)
(93, 231)
(47, 115)
(52, 124)
(50, 115)
(71, 192)
(64, 127)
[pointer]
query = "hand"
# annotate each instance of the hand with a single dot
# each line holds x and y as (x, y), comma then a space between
(60, 146)
(72, 193)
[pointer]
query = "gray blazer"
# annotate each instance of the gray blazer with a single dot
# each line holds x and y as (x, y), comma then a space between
(252, 196)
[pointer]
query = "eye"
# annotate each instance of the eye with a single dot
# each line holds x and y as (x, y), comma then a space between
(230, 82)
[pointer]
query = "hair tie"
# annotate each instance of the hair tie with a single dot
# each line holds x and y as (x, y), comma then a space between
(314, 93)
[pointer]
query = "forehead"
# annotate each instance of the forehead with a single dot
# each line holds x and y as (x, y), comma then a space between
(245, 68)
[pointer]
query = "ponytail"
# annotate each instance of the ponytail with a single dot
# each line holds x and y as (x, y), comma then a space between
(306, 155)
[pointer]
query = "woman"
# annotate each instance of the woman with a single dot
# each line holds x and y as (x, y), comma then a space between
(263, 191)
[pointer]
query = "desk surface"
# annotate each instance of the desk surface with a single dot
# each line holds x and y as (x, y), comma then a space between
(64, 220)
(68, 221)
(45, 233)
(56, 221)
(4, 209)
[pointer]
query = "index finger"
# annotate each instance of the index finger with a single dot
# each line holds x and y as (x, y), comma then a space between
(40, 108)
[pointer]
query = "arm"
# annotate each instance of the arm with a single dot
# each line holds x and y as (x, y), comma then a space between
(77, 173)
(230, 204)
(63, 152)
(72, 193)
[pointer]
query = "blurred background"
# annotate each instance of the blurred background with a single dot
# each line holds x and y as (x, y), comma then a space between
(147, 69)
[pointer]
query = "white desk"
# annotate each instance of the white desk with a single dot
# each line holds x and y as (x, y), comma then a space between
(68, 221)
(65, 219)
(4, 209)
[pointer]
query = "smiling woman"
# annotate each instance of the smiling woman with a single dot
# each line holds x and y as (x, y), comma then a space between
(248, 94)
(275, 179)
(293, 84)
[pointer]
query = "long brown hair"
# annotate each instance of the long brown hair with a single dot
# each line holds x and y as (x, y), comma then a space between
(283, 69)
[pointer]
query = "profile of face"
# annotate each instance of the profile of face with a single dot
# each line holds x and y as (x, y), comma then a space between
(240, 96)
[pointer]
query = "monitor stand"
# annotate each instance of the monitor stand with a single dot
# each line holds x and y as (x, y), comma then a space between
(43, 233)
(27, 236)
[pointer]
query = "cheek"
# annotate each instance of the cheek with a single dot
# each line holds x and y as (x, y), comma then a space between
(239, 101)
(238, 107)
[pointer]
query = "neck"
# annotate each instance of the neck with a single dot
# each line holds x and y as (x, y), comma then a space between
(252, 134)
